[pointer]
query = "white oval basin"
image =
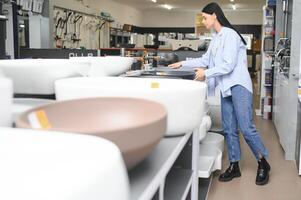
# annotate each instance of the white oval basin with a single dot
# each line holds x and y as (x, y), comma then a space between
(37, 76)
(183, 99)
(39, 165)
(106, 66)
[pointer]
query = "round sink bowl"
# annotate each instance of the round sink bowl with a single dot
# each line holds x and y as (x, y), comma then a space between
(47, 165)
(106, 66)
(184, 100)
(134, 125)
(37, 76)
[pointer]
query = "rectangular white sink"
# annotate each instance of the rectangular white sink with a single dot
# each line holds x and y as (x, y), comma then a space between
(183, 99)
(37, 76)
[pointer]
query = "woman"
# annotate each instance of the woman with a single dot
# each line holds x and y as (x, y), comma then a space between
(226, 63)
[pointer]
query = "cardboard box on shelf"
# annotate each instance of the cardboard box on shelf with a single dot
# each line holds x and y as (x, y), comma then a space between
(256, 44)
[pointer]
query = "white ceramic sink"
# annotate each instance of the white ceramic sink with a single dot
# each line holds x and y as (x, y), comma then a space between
(45, 165)
(183, 99)
(37, 76)
(106, 66)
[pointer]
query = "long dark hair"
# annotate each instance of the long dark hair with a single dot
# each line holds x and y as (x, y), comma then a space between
(214, 8)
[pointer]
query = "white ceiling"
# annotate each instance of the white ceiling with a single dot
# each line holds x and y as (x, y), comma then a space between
(193, 5)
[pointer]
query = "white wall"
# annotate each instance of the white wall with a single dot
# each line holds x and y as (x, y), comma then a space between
(168, 19)
(153, 18)
(254, 17)
(122, 13)
(186, 19)
(157, 18)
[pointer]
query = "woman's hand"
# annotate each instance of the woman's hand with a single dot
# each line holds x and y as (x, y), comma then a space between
(199, 74)
(175, 65)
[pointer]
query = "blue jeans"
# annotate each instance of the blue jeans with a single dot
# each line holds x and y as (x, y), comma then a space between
(237, 111)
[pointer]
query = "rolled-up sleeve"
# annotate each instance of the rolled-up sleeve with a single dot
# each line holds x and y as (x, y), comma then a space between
(203, 61)
(228, 56)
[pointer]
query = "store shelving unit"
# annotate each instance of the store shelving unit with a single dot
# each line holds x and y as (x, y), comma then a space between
(170, 172)
(119, 36)
(268, 43)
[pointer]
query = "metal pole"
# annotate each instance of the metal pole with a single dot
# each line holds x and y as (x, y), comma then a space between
(2, 33)
(15, 29)
(285, 12)
(195, 164)
(122, 52)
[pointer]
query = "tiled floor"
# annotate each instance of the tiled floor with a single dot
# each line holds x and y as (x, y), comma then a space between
(285, 184)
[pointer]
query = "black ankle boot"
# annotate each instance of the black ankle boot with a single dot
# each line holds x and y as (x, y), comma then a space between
(263, 170)
(232, 172)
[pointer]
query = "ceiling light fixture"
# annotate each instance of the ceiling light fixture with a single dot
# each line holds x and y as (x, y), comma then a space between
(155, 1)
(168, 7)
(233, 6)
(232, 0)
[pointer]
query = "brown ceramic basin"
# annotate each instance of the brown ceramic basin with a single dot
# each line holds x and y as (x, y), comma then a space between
(134, 125)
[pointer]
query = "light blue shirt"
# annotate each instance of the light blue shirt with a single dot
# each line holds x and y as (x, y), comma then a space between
(226, 62)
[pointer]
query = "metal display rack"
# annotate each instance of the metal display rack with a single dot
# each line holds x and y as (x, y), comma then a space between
(268, 48)
(170, 172)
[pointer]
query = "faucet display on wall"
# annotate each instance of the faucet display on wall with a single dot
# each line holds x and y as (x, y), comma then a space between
(74, 29)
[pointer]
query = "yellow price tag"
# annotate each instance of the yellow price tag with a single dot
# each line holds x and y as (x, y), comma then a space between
(155, 85)
(299, 91)
(43, 119)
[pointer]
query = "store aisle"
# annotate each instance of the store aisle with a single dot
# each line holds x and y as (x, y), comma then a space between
(284, 181)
